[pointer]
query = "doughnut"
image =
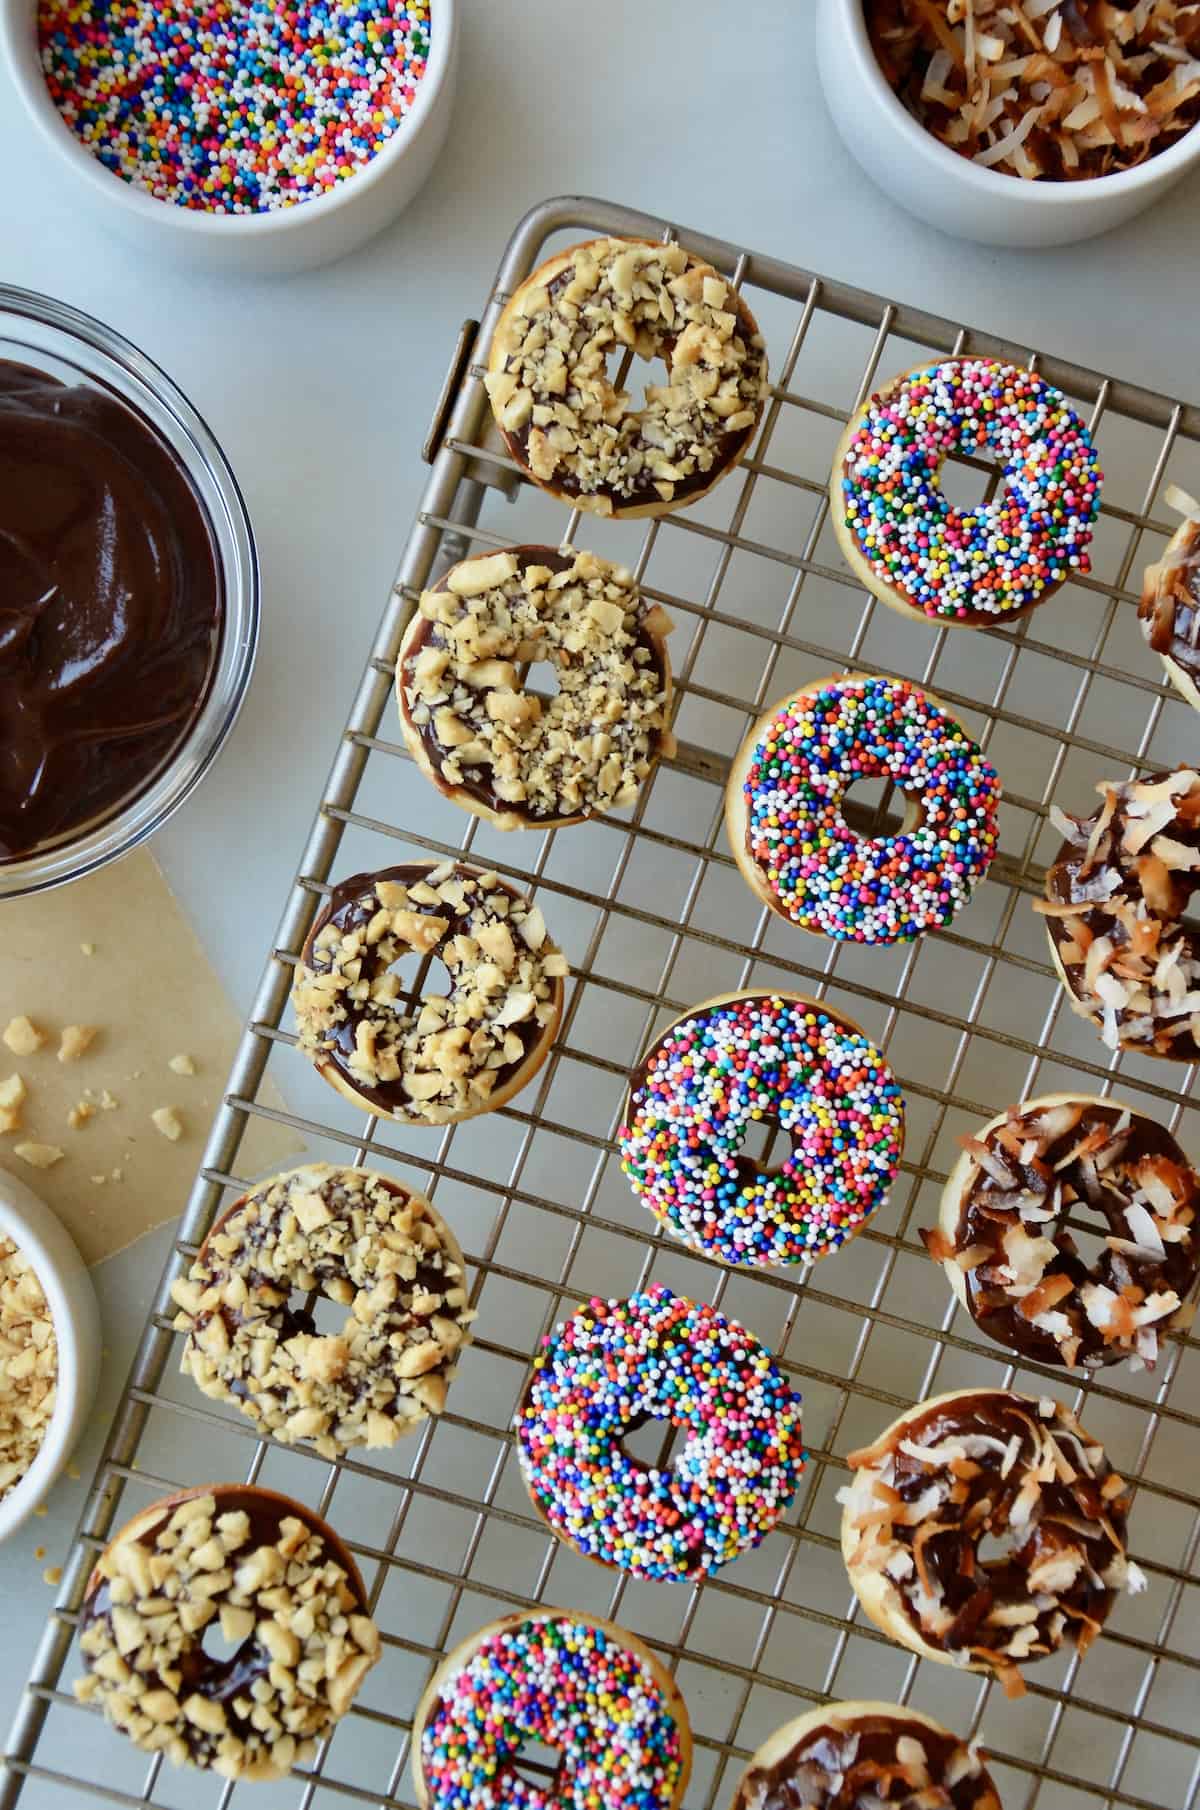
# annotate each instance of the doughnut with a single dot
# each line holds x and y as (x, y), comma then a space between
(1116, 894)
(861, 1756)
(786, 825)
(1170, 606)
(286, 1596)
(428, 1058)
(613, 1367)
(1002, 1235)
(518, 760)
(373, 1246)
(555, 401)
(587, 1688)
(957, 1469)
(743, 1058)
(920, 553)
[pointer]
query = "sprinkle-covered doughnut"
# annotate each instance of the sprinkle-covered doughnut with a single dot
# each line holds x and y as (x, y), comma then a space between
(586, 1688)
(563, 419)
(976, 1465)
(863, 1756)
(746, 1058)
(1004, 1233)
(614, 1366)
(789, 835)
(921, 553)
(291, 1610)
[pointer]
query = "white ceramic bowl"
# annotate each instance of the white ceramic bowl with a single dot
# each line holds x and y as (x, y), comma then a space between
(951, 192)
(268, 244)
(32, 1227)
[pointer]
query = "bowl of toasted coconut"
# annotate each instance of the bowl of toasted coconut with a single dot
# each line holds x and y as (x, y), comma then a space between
(1016, 122)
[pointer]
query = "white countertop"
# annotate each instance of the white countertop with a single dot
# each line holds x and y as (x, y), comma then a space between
(320, 388)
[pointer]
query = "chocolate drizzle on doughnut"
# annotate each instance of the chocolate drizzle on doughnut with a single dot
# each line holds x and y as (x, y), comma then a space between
(1114, 908)
(420, 1055)
(1026, 1284)
(1170, 605)
(865, 1761)
(990, 1462)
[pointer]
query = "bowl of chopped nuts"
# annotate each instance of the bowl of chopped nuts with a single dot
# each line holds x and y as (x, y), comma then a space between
(1015, 122)
(49, 1350)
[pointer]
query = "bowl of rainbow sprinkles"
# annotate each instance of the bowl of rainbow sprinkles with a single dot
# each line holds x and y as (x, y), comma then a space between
(242, 134)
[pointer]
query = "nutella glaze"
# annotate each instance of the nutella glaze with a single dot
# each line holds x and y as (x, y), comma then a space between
(859, 1756)
(1005, 1243)
(1116, 895)
(111, 606)
(966, 1466)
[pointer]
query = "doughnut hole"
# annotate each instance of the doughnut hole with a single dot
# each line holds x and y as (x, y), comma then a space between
(536, 1765)
(874, 806)
(967, 484)
(765, 1148)
(656, 1444)
(543, 679)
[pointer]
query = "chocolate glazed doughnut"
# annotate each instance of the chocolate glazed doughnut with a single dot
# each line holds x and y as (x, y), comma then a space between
(517, 759)
(560, 416)
(283, 1590)
(956, 1469)
(428, 1058)
(1170, 606)
(1114, 908)
(1003, 1240)
(857, 1756)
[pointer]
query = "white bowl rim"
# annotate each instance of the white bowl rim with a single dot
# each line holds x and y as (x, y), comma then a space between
(443, 29)
(987, 182)
(19, 1224)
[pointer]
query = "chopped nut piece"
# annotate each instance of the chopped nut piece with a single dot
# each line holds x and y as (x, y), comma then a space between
(38, 1156)
(108, 1102)
(80, 1113)
(13, 1094)
(28, 1366)
(182, 1065)
(87, 948)
(167, 1120)
(23, 1037)
(76, 1040)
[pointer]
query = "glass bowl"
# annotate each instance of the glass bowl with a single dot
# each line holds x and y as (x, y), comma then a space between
(50, 336)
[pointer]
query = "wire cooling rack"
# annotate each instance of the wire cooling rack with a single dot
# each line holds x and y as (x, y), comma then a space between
(654, 917)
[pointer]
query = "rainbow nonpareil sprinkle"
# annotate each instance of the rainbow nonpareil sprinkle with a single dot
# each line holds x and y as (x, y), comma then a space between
(567, 1684)
(763, 1057)
(656, 1356)
(824, 876)
(999, 557)
(234, 106)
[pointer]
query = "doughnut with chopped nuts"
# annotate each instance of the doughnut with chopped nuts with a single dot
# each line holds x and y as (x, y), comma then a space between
(367, 1243)
(1116, 895)
(28, 1366)
(860, 1756)
(1004, 1240)
(594, 1693)
(1170, 607)
(284, 1593)
(517, 759)
(413, 1055)
(965, 1466)
(557, 406)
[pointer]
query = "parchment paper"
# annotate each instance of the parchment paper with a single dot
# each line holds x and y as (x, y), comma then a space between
(150, 989)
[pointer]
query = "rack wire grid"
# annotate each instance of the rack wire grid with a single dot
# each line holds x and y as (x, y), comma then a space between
(654, 917)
